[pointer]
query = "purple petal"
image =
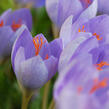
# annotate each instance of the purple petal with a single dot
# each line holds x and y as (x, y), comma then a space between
(59, 10)
(90, 12)
(76, 73)
(24, 39)
(103, 7)
(56, 47)
(36, 3)
(65, 9)
(70, 49)
(70, 99)
(45, 51)
(5, 15)
(39, 3)
(66, 31)
(33, 73)
(5, 48)
(41, 36)
(20, 57)
(52, 9)
(69, 29)
(22, 15)
(98, 25)
(51, 64)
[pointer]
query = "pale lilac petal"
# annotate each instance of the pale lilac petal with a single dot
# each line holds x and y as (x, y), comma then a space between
(56, 47)
(66, 30)
(33, 73)
(51, 64)
(20, 57)
(71, 48)
(91, 11)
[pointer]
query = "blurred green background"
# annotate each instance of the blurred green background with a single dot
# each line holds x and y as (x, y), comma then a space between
(10, 94)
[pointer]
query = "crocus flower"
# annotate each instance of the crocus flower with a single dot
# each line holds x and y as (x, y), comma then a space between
(103, 7)
(81, 86)
(85, 53)
(35, 3)
(97, 26)
(59, 10)
(10, 22)
(34, 60)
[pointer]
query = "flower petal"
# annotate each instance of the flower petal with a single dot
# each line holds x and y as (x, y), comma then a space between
(33, 73)
(24, 39)
(5, 15)
(5, 48)
(70, 49)
(51, 64)
(90, 12)
(22, 15)
(56, 47)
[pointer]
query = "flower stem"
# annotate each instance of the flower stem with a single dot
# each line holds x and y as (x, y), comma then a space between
(51, 105)
(55, 31)
(25, 99)
(45, 96)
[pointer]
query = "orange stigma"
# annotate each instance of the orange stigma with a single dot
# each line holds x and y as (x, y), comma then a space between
(101, 84)
(97, 36)
(101, 64)
(38, 42)
(46, 57)
(1, 23)
(15, 26)
(81, 30)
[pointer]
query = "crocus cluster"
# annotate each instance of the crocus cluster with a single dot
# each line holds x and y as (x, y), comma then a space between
(59, 10)
(10, 22)
(34, 60)
(83, 80)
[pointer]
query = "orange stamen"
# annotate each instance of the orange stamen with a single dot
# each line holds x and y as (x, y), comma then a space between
(97, 36)
(15, 26)
(101, 64)
(1, 23)
(81, 30)
(38, 44)
(101, 84)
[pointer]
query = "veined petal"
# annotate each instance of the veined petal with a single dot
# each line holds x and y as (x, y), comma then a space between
(71, 48)
(24, 39)
(51, 64)
(33, 73)
(56, 47)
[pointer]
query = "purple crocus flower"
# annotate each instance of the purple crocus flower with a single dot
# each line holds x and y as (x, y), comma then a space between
(10, 22)
(83, 80)
(34, 60)
(97, 27)
(35, 3)
(59, 10)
